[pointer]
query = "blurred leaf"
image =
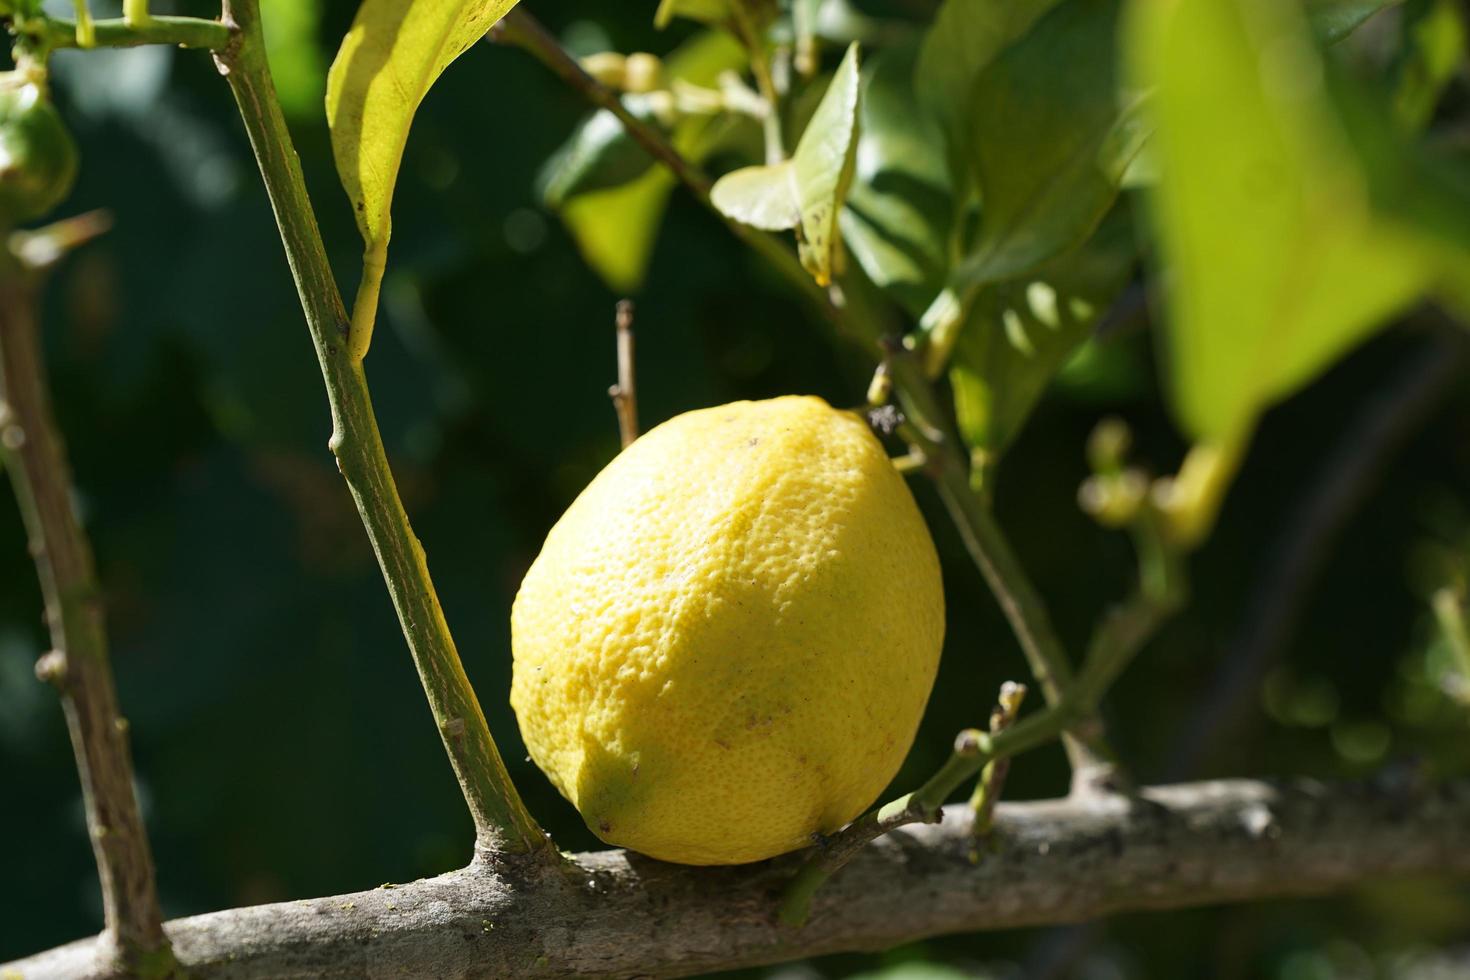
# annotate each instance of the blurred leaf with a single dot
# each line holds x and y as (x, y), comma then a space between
(809, 189)
(897, 219)
(1334, 20)
(704, 11)
(1019, 334)
(1046, 149)
(600, 154)
(391, 56)
(296, 62)
(1433, 51)
(616, 226)
(1276, 263)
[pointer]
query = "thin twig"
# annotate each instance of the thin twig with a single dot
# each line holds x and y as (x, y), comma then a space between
(993, 776)
(502, 823)
(624, 394)
(31, 446)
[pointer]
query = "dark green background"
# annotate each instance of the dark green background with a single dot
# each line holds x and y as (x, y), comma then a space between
(283, 746)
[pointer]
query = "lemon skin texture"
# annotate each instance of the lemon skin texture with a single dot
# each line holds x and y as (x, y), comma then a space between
(727, 641)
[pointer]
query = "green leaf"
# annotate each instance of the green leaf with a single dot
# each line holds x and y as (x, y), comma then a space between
(966, 36)
(395, 50)
(764, 196)
(1275, 260)
(599, 155)
(897, 220)
(1018, 335)
(616, 227)
(1046, 147)
(704, 11)
(808, 190)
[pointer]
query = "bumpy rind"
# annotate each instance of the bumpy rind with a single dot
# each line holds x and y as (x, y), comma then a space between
(727, 641)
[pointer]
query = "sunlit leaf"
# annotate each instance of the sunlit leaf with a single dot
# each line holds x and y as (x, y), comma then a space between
(763, 196)
(393, 53)
(897, 220)
(1018, 335)
(809, 189)
(1274, 259)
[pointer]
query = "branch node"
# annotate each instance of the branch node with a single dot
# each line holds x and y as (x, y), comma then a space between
(51, 668)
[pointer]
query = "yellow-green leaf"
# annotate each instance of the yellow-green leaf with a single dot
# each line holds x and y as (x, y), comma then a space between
(808, 190)
(394, 52)
(1276, 260)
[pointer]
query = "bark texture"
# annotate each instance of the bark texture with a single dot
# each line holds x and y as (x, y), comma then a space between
(617, 914)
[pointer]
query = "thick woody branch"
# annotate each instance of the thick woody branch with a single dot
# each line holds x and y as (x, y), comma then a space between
(615, 914)
(33, 455)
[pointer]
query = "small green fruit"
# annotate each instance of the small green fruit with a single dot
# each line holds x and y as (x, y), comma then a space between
(38, 158)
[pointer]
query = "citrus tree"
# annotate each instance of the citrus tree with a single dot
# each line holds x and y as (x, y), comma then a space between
(971, 198)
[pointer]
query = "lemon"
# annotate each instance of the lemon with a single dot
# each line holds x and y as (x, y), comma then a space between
(38, 158)
(727, 641)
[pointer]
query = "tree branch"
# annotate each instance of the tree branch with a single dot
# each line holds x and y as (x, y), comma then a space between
(502, 823)
(619, 915)
(31, 448)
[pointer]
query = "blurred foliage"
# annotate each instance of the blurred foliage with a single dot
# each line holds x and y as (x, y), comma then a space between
(282, 743)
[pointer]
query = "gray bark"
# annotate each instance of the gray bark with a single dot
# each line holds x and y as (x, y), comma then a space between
(618, 914)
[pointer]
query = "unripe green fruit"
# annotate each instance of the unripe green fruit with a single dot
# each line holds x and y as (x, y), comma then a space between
(38, 159)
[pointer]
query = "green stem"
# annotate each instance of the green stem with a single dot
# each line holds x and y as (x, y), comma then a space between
(35, 459)
(118, 32)
(502, 823)
(760, 67)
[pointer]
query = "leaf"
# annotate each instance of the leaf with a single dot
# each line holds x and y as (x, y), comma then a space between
(964, 39)
(616, 227)
(763, 196)
(1275, 260)
(599, 155)
(1046, 148)
(1018, 335)
(823, 162)
(808, 190)
(704, 11)
(897, 220)
(395, 50)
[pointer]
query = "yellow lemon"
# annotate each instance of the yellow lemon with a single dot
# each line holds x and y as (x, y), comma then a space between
(727, 641)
